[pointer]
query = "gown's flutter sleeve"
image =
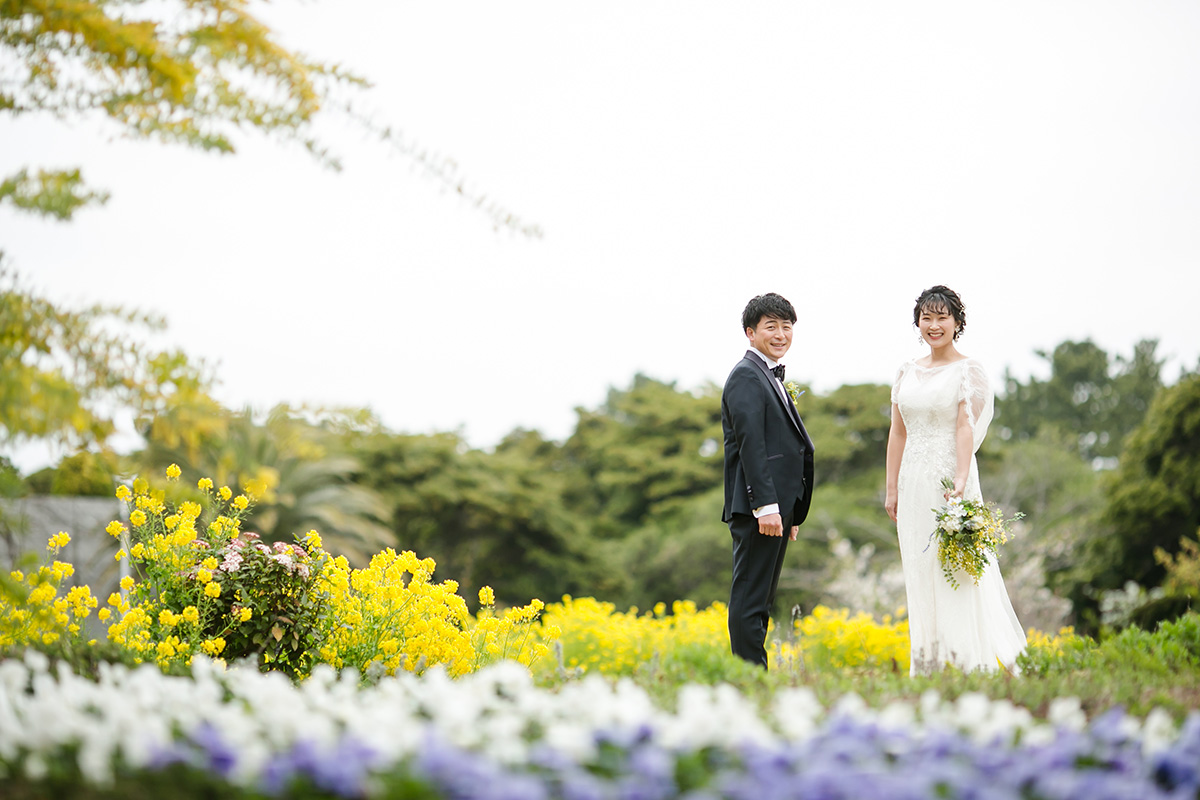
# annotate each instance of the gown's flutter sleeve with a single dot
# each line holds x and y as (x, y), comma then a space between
(896, 383)
(976, 392)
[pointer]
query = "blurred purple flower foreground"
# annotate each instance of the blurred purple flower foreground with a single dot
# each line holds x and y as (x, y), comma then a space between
(495, 735)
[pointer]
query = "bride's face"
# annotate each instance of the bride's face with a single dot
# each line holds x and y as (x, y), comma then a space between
(937, 326)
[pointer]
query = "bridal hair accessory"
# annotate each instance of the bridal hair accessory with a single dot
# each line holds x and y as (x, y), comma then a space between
(969, 534)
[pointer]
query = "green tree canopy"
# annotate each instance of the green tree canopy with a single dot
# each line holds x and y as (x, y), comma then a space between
(193, 72)
(295, 463)
(65, 374)
(1154, 495)
(850, 428)
(492, 519)
(1151, 503)
(1090, 396)
(648, 447)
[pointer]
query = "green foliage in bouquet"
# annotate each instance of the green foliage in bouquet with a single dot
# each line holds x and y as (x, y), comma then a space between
(969, 534)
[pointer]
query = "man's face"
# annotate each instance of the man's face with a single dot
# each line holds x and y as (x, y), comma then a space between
(772, 337)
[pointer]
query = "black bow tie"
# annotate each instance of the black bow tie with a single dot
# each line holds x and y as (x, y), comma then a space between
(778, 371)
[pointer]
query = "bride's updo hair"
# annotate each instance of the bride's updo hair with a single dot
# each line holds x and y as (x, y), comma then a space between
(942, 298)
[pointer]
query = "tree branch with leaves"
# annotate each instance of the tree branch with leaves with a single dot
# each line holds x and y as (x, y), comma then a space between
(192, 72)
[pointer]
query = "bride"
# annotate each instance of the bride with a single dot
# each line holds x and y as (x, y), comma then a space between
(941, 407)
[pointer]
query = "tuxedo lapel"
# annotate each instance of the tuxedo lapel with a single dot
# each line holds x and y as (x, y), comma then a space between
(781, 394)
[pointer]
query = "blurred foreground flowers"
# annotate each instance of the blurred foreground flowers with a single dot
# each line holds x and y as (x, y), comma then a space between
(494, 734)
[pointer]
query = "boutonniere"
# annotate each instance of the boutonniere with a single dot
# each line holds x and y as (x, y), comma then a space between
(794, 391)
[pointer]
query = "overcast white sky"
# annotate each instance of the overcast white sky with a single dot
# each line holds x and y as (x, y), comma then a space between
(1042, 158)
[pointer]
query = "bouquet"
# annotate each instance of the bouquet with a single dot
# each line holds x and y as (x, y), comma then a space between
(968, 534)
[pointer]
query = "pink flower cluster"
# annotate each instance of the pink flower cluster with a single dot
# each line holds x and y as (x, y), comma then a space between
(289, 556)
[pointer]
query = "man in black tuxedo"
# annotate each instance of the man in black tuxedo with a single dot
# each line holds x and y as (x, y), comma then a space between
(768, 472)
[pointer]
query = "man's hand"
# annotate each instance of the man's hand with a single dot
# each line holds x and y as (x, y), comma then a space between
(770, 525)
(795, 532)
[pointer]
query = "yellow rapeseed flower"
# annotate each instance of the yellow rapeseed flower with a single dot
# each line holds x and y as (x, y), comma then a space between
(138, 550)
(212, 589)
(104, 614)
(42, 594)
(225, 492)
(257, 488)
(213, 646)
(487, 597)
(191, 614)
(140, 485)
(115, 528)
(241, 502)
(204, 484)
(123, 492)
(204, 576)
(173, 472)
(126, 583)
(137, 518)
(210, 563)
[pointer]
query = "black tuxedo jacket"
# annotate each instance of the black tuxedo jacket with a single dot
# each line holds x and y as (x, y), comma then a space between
(768, 453)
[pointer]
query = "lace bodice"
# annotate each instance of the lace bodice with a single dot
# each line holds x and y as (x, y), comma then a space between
(929, 399)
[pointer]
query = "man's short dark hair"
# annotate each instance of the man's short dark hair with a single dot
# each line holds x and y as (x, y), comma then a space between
(767, 305)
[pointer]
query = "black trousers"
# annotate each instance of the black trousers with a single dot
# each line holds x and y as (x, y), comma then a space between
(757, 561)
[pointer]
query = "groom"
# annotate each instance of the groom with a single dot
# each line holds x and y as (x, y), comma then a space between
(768, 472)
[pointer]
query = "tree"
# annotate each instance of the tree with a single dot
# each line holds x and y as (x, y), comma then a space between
(648, 447)
(299, 468)
(682, 554)
(65, 374)
(1153, 498)
(850, 428)
(1095, 399)
(185, 72)
(492, 519)
(193, 72)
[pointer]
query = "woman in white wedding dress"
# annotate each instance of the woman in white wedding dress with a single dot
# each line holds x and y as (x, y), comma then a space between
(942, 404)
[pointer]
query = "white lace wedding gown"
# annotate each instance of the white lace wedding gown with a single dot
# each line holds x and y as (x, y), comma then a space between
(973, 626)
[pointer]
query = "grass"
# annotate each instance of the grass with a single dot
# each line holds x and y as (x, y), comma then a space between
(1133, 669)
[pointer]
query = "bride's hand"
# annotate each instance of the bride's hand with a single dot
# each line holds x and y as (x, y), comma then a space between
(960, 485)
(889, 504)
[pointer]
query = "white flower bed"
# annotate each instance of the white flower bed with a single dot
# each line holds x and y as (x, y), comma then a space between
(256, 728)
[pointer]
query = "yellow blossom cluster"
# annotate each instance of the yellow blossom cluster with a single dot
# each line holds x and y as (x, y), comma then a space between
(1064, 639)
(204, 586)
(393, 614)
(171, 613)
(33, 611)
(837, 640)
(510, 635)
(595, 636)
